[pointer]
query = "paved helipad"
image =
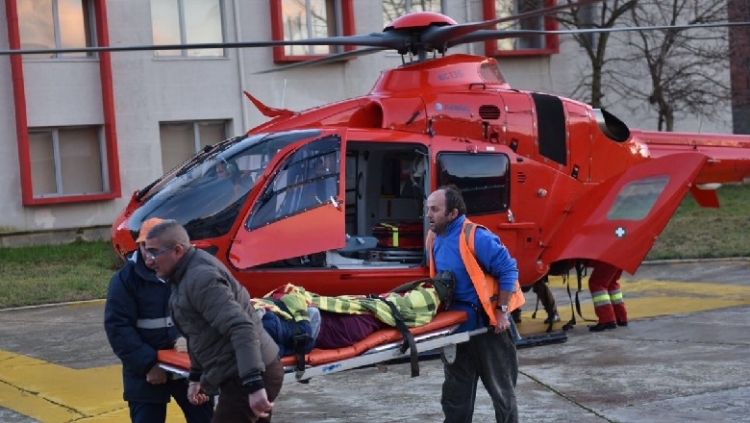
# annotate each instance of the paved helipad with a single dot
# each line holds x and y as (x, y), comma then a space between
(683, 357)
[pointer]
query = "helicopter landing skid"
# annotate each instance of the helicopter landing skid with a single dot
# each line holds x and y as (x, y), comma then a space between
(557, 337)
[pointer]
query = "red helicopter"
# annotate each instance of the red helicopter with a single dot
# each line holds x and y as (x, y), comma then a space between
(332, 198)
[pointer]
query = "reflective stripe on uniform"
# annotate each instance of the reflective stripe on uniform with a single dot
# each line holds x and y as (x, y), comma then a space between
(615, 296)
(158, 323)
(600, 298)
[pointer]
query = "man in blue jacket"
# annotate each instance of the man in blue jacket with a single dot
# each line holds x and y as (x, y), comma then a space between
(138, 323)
(491, 356)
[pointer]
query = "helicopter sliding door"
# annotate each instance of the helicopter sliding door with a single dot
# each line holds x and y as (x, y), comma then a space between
(299, 213)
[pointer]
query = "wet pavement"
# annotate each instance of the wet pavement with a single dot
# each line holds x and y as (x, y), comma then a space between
(683, 356)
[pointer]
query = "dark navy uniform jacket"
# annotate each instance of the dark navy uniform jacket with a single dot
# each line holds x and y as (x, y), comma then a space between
(138, 323)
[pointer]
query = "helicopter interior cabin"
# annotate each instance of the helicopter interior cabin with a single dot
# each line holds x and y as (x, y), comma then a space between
(385, 187)
(385, 190)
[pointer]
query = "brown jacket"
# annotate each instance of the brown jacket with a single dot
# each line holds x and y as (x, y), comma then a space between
(213, 311)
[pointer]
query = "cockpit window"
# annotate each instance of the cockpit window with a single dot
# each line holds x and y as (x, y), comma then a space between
(308, 178)
(636, 199)
(206, 194)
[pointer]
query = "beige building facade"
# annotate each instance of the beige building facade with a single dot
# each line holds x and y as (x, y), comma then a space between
(81, 132)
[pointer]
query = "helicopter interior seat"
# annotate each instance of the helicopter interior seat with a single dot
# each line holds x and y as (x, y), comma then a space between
(350, 254)
(358, 243)
(417, 174)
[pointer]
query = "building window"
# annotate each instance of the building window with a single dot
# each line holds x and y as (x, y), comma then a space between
(585, 18)
(188, 22)
(521, 46)
(303, 19)
(55, 24)
(393, 9)
(67, 161)
(181, 140)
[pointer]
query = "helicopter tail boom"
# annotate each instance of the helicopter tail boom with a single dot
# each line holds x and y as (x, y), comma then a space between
(728, 155)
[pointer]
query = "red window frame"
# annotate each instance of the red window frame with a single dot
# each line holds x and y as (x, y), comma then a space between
(277, 31)
(551, 41)
(22, 125)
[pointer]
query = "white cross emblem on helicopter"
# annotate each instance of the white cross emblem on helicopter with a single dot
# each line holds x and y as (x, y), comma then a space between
(619, 232)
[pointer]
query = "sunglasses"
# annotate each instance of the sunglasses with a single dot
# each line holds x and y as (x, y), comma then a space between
(151, 253)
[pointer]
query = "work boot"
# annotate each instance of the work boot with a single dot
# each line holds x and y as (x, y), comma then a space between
(600, 327)
(516, 315)
(622, 322)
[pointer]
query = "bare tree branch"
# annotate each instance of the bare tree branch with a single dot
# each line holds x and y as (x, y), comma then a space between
(603, 15)
(686, 68)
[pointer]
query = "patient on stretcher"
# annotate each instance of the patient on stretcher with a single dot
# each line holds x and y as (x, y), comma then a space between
(324, 330)
(311, 329)
(335, 322)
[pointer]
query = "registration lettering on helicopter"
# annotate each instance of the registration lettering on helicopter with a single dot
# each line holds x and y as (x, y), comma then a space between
(452, 74)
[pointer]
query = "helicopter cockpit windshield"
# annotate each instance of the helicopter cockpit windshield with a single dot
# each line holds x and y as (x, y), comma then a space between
(207, 193)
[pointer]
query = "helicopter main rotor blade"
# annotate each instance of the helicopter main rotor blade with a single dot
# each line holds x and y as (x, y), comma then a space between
(443, 36)
(377, 39)
(484, 35)
(433, 37)
(325, 60)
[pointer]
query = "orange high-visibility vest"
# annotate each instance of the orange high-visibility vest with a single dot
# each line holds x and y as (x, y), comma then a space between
(486, 285)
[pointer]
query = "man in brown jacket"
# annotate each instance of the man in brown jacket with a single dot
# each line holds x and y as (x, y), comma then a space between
(229, 349)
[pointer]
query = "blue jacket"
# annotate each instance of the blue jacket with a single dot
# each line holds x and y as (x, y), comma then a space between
(136, 293)
(491, 255)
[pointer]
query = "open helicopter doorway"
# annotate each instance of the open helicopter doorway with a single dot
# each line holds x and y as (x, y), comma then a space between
(340, 204)
(385, 191)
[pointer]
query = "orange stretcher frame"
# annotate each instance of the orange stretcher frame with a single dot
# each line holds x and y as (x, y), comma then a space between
(382, 345)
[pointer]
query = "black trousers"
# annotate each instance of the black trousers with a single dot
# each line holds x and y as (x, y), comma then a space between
(492, 358)
(234, 405)
(156, 412)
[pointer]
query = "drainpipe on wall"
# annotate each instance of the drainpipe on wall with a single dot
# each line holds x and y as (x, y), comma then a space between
(108, 99)
(241, 68)
(19, 101)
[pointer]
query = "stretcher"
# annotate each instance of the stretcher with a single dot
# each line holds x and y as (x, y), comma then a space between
(381, 346)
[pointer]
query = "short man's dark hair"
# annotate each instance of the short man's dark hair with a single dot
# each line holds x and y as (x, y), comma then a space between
(453, 199)
(170, 232)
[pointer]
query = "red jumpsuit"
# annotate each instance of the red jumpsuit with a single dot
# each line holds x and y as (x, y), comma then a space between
(606, 295)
